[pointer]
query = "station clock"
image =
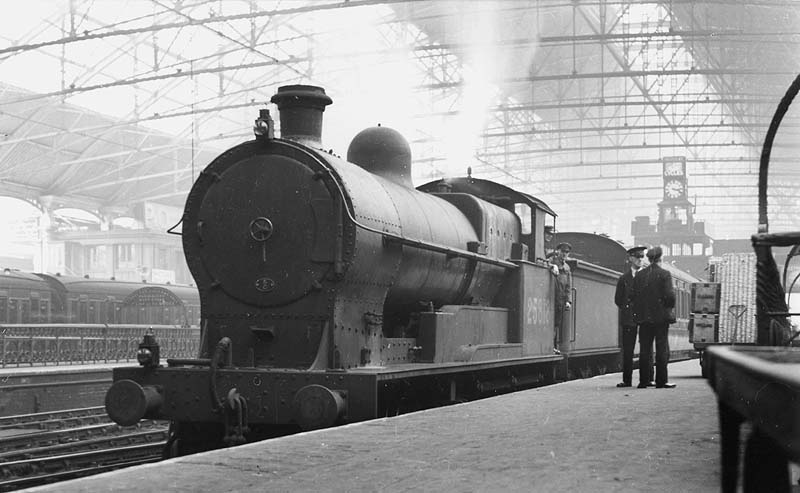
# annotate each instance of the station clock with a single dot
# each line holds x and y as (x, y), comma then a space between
(674, 189)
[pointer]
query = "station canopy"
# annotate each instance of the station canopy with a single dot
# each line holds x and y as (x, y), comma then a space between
(104, 105)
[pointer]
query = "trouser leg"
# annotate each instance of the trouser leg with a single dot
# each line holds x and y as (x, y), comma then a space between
(662, 354)
(652, 361)
(628, 343)
(558, 316)
(645, 350)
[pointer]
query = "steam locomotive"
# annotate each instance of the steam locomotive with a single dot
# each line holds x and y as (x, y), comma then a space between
(332, 291)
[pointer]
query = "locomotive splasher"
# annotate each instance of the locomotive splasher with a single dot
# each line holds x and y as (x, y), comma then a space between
(324, 281)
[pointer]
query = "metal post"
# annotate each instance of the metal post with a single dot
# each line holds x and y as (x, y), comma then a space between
(737, 311)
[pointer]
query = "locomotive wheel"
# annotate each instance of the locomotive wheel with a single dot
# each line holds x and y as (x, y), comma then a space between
(171, 449)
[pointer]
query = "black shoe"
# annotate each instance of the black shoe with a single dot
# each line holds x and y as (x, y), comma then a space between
(623, 384)
(666, 386)
(641, 386)
(651, 384)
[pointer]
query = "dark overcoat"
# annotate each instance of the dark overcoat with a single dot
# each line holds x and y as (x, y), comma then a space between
(623, 299)
(653, 295)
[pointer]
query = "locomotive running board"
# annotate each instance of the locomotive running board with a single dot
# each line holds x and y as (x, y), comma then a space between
(385, 373)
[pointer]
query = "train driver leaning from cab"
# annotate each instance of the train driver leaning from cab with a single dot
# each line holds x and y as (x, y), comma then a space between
(563, 287)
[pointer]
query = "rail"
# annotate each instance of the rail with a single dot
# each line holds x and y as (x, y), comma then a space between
(25, 473)
(65, 344)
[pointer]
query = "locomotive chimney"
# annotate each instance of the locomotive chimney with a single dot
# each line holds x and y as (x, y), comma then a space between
(301, 108)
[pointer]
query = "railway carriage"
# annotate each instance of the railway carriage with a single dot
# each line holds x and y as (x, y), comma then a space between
(24, 298)
(162, 305)
(679, 340)
(30, 298)
(85, 300)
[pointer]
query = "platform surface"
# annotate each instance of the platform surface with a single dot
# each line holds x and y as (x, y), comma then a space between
(585, 436)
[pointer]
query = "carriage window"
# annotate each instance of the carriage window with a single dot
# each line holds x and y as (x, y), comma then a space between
(686, 300)
(31, 309)
(83, 312)
(73, 312)
(3, 309)
(13, 311)
(95, 312)
(25, 311)
(111, 312)
(44, 311)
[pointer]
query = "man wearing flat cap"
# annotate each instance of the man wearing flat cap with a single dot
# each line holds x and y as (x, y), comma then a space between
(563, 284)
(653, 296)
(623, 298)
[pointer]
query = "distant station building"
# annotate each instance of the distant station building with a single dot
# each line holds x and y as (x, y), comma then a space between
(145, 253)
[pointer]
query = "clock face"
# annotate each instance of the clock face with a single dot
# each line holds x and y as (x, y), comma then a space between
(673, 189)
(673, 168)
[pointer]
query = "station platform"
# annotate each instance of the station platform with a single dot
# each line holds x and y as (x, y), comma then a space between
(583, 435)
(25, 370)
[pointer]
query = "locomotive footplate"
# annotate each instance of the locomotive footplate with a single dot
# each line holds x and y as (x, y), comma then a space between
(412, 370)
(415, 386)
(312, 399)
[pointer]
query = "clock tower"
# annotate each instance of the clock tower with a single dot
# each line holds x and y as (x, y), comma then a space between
(674, 179)
(674, 211)
(682, 239)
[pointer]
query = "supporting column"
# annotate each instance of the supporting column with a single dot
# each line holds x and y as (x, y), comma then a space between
(42, 261)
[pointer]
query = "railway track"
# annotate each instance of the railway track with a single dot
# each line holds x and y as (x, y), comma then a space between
(42, 448)
(54, 419)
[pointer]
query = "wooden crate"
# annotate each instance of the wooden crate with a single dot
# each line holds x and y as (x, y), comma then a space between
(703, 328)
(705, 297)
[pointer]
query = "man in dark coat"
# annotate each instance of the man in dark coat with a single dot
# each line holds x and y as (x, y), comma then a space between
(622, 298)
(563, 286)
(653, 296)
